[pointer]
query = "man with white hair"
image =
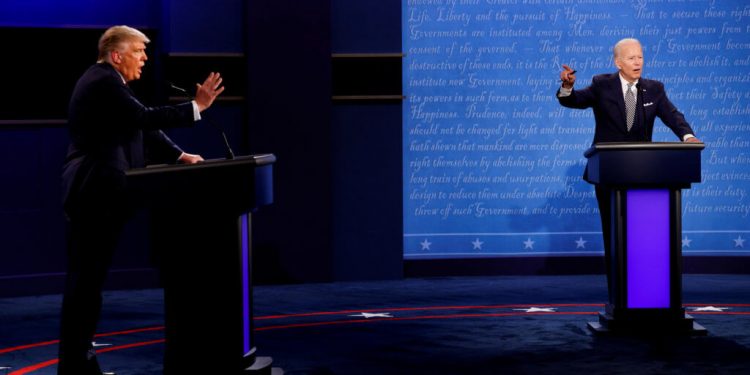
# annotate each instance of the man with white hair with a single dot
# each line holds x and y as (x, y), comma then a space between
(625, 107)
(110, 131)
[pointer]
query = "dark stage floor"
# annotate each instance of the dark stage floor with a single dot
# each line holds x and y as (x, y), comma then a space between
(457, 325)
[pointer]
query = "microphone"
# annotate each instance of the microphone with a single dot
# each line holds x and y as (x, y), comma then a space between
(230, 153)
(646, 133)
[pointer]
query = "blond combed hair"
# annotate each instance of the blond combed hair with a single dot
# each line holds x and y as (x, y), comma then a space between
(114, 39)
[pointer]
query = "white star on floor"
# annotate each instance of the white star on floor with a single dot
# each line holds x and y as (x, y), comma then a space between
(686, 242)
(581, 243)
(477, 244)
(367, 315)
(425, 244)
(528, 244)
(537, 309)
(739, 241)
(709, 308)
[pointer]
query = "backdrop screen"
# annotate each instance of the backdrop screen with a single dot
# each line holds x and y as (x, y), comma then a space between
(493, 164)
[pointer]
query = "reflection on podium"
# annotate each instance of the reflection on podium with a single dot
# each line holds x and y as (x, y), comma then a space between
(201, 228)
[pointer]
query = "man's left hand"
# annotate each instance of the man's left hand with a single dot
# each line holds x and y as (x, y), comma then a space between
(206, 93)
(693, 140)
(186, 158)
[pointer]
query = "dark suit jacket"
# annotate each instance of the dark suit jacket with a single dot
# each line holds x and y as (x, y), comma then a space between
(111, 131)
(606, 98)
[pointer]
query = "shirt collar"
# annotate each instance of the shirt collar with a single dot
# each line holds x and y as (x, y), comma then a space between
(624, 83)
(121, 77)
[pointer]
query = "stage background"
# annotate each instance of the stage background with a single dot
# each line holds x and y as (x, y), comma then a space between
(339, 211)
(493, 164)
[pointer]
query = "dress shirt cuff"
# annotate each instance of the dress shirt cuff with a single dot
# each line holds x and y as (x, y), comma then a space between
(563, 92)
(687, 136)
(196, 112)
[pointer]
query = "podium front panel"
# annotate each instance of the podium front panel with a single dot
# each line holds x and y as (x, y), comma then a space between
(648, 248)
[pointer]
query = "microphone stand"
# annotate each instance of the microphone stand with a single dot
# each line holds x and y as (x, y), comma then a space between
(230, 153)
(646, 135)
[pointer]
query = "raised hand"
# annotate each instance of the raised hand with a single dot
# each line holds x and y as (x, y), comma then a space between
(568, 77)
(206, 93)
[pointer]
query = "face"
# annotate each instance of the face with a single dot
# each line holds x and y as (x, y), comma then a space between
(630, 61)
(130, 60)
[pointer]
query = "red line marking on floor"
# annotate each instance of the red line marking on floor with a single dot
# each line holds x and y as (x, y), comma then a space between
(130, 331)
(718, 304)
(719, 313)
(28, 346)
(106, 334)
(453, 316)
(469, 307)
(51, 362)
(35, 367)
(428, 308)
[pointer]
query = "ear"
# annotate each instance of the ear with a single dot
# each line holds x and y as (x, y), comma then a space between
(115, 57)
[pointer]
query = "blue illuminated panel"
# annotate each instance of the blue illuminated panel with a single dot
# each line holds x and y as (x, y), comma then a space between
(648, 230)
(246, 313)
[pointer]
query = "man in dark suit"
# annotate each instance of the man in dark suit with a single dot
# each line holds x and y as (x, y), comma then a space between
(111, 131)
(625, 107)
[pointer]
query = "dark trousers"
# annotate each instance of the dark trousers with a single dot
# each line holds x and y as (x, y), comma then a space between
(92, 240)
(603, 198)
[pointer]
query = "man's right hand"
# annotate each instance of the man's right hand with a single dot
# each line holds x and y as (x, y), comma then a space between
(206, 93)
(568, 77)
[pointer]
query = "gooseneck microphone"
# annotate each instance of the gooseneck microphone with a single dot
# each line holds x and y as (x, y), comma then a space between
(646, 133)
(230, 153)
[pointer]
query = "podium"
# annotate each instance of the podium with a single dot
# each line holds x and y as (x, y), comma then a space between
(645, 182)
(200, 235)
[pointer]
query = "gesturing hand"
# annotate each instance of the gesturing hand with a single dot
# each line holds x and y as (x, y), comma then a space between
(568, 77)
(207, 92)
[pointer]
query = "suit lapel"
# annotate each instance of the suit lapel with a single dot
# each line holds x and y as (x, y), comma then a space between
(134, 149)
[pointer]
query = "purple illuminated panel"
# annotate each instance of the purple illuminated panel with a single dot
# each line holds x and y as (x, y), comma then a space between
(648, 248)
(245, 282)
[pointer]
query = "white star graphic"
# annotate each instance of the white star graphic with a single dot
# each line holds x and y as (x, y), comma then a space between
(709, 308)
(686, 242)
(528, 244)
(537, 309)
(96, 344)
(581, 243)
(367, 315)
(739, 241)
(425, 244)
(477, 244)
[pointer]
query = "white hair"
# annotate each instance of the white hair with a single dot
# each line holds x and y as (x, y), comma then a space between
(618, 45)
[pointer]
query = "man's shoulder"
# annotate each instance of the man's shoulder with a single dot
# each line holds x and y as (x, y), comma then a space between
(100, 70)
(651, 83)
(97, 75)
(602, 78)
